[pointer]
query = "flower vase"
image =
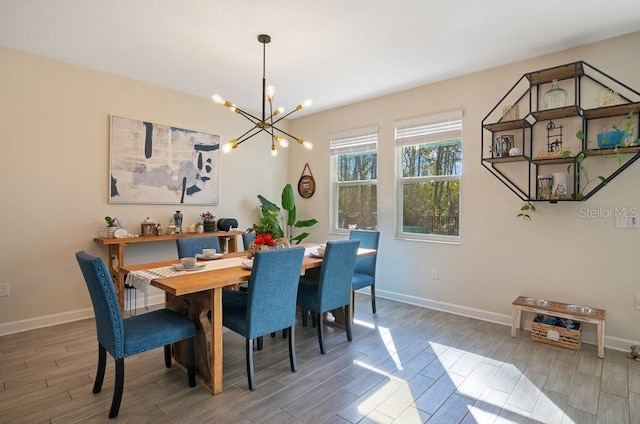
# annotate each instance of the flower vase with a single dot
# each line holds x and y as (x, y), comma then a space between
(209, 226)
(177, 218)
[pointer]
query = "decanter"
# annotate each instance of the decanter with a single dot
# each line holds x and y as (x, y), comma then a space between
(555, 97)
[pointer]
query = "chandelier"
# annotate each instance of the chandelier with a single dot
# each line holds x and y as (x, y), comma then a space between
(267, 123)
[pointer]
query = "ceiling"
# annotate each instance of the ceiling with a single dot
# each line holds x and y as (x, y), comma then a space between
(335, 51)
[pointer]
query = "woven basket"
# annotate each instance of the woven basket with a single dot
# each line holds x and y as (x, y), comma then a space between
(570, 339)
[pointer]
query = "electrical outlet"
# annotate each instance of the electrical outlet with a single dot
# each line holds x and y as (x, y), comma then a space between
(4, 289)
(634, 222)
(434, 273)
(622, 221)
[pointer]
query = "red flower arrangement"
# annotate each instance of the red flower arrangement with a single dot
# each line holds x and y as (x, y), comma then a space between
(265, 239)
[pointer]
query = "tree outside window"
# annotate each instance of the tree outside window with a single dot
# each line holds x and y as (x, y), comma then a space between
(354, 180)
(429, 154)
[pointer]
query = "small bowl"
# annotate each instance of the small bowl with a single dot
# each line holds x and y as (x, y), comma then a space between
(535, 302)
(610, 139)
(208, 253)
(188, 262)
(577, 309)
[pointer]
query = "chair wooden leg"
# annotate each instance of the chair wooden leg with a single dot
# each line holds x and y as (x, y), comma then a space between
(250, 376)
(304, 313)
(117, 389)
(320, 335)
(167, 356)
(373, 298)
(292, 349)
(191, 366)
(347, 322)
(102, 363)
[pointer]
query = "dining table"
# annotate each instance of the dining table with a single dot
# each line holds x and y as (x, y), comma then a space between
(197, 294)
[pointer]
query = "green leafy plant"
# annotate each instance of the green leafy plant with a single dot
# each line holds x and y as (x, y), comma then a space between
(268, 223)
(111, 222)
(289, 205)
(584, 172)
(270, 219)
(525, 210)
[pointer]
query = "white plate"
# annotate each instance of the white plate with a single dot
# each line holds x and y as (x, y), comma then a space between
(209, 258)
(246, 264)
(179, 267)
(315, 254)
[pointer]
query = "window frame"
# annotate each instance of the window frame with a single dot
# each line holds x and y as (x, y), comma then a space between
(339, 144)
(450, 128)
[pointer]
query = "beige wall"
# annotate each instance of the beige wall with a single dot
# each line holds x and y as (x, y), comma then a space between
(54, 164)
(558, 255)
(55, 138)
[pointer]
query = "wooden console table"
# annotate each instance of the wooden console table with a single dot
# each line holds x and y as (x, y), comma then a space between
(561, 310)
(117, 245)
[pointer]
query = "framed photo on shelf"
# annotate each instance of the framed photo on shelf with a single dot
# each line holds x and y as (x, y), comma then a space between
(510, 113)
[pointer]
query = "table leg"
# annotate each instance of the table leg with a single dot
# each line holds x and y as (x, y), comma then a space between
(516, 315)
(216, 340)
(600, 331)
(116, 260)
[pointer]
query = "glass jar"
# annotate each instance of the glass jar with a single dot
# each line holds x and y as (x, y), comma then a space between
(555, 97)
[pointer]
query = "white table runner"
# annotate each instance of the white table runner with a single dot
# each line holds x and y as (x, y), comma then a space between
(142, 279)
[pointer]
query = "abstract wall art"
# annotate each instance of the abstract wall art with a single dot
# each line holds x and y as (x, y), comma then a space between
(160, 164)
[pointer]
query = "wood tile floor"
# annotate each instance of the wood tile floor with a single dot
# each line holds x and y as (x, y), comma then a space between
(405, 365)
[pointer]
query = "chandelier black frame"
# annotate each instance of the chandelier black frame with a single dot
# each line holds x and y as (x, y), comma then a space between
(267, 123)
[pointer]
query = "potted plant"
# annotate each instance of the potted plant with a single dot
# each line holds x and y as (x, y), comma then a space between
(291, 223)
(269, 234)
(208, 221)
(112, 226)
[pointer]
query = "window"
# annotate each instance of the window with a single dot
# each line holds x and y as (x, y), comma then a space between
(354, 174)
(429, 166)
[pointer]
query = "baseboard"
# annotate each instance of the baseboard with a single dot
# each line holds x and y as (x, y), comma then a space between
(55, 319)
(588, 334)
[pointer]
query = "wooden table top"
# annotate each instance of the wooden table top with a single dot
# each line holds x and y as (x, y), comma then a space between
(207, 280)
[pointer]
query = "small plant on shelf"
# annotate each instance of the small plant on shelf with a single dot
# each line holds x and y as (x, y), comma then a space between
(208, 222)
(111, 222)
(207, 216)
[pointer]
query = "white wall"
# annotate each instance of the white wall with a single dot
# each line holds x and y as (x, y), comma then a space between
(559, 255)
(55, 137)
(54, 121)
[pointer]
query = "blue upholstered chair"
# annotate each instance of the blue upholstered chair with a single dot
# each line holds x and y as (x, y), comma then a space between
(333, 288)
(364, 273)
(269, 305)
(189, 246)
(248, 238)
(127, 337)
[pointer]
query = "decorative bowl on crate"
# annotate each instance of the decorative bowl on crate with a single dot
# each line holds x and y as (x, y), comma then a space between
(552, 330)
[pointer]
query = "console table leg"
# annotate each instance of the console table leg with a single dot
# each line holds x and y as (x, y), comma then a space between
(516, 314)
(600, 331)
